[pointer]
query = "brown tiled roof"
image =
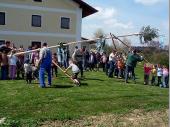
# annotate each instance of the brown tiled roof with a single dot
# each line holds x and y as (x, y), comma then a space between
(87, 9)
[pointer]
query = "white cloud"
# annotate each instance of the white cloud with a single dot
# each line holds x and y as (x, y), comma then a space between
(107, 17)
(104, 13)
(148, 2)
(114, 23)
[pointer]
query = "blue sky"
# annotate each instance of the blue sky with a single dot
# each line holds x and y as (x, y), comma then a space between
(127, 16)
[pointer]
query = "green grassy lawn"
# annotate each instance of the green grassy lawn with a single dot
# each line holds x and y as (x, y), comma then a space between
(28, 105)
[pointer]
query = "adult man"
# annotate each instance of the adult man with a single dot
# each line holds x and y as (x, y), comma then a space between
(78, 58)
(112, 61)
(131, 62)
(4, 62)
(45, 65)
(86, 58)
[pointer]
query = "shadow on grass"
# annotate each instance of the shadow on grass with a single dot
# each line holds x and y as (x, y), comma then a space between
(84, 84)
(92, 79)
(61, 86)
(65, 86)
(35, 83)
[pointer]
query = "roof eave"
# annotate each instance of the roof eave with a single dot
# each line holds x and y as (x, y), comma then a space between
(87, 9)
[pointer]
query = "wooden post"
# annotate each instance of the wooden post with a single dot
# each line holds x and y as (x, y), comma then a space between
(69, 76)
(128, 46)
(113, 41)
(69, 43)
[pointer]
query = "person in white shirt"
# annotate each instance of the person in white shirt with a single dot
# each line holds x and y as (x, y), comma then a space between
(159, 75)
(12, 65)
(112, 61)
(75, 71)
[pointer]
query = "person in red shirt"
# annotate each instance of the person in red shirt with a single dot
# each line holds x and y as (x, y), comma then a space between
(147, 70)
(120, 64)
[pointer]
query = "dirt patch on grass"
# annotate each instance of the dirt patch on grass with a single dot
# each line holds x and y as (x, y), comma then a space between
(137, 118)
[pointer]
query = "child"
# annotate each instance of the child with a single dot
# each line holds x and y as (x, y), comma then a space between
(92, 61)
(28, 71)
(120, 65)
(75, 71)
(165, 77)
(159, 74)
(54, 68)
(104, 61)
(153, 72)
(147, 70)
(12, 65)
(35, 72)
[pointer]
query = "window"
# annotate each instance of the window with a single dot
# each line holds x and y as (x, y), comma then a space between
(36, 43)
(38, 0)
(65, 23)
(2, 18)
(36, 20)
(2, 42)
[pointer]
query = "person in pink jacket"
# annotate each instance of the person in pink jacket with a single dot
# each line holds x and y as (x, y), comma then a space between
(165, 77)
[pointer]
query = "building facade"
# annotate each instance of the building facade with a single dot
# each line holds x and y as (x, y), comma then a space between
(30, 22)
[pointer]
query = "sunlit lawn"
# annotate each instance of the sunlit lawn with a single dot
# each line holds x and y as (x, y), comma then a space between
(28, 105)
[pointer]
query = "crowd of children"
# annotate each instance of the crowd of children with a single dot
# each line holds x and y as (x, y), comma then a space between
(158, 74)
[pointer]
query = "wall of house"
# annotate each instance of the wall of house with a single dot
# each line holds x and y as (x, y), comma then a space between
(57, 4)
(19, 30)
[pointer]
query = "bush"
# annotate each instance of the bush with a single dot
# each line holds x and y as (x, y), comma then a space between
(157, 56)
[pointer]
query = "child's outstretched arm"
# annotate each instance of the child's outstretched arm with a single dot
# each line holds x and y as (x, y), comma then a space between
(67, 69)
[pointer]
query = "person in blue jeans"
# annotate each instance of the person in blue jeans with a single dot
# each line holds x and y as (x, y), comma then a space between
(111, 68)
(45, 65)
(131, 62)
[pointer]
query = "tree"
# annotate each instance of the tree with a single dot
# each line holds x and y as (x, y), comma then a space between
(108, 49)
(99, 33)
(120, 46)
(155, 44)
(148, 34)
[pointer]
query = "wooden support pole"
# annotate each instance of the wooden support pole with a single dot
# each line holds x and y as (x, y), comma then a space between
(69, 43)
(113, 41)
(128, 46)
(69, 76)
(121, 41)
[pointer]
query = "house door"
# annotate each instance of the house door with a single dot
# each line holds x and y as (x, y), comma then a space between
(37, 44)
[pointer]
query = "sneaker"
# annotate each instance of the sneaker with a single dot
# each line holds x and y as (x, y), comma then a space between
(41, 86)
(126, 82)
(49, 85)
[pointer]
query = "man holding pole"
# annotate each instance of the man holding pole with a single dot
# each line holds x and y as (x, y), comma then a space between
(131, 62)
(45, 65)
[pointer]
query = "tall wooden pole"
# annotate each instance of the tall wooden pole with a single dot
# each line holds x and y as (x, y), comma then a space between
(69, 76)
(113, 41)
(69, 43)
(128, 46)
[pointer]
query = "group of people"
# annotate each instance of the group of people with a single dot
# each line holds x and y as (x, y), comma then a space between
(34, 64)
(156, 72)
(121, 65)
(22, 66)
